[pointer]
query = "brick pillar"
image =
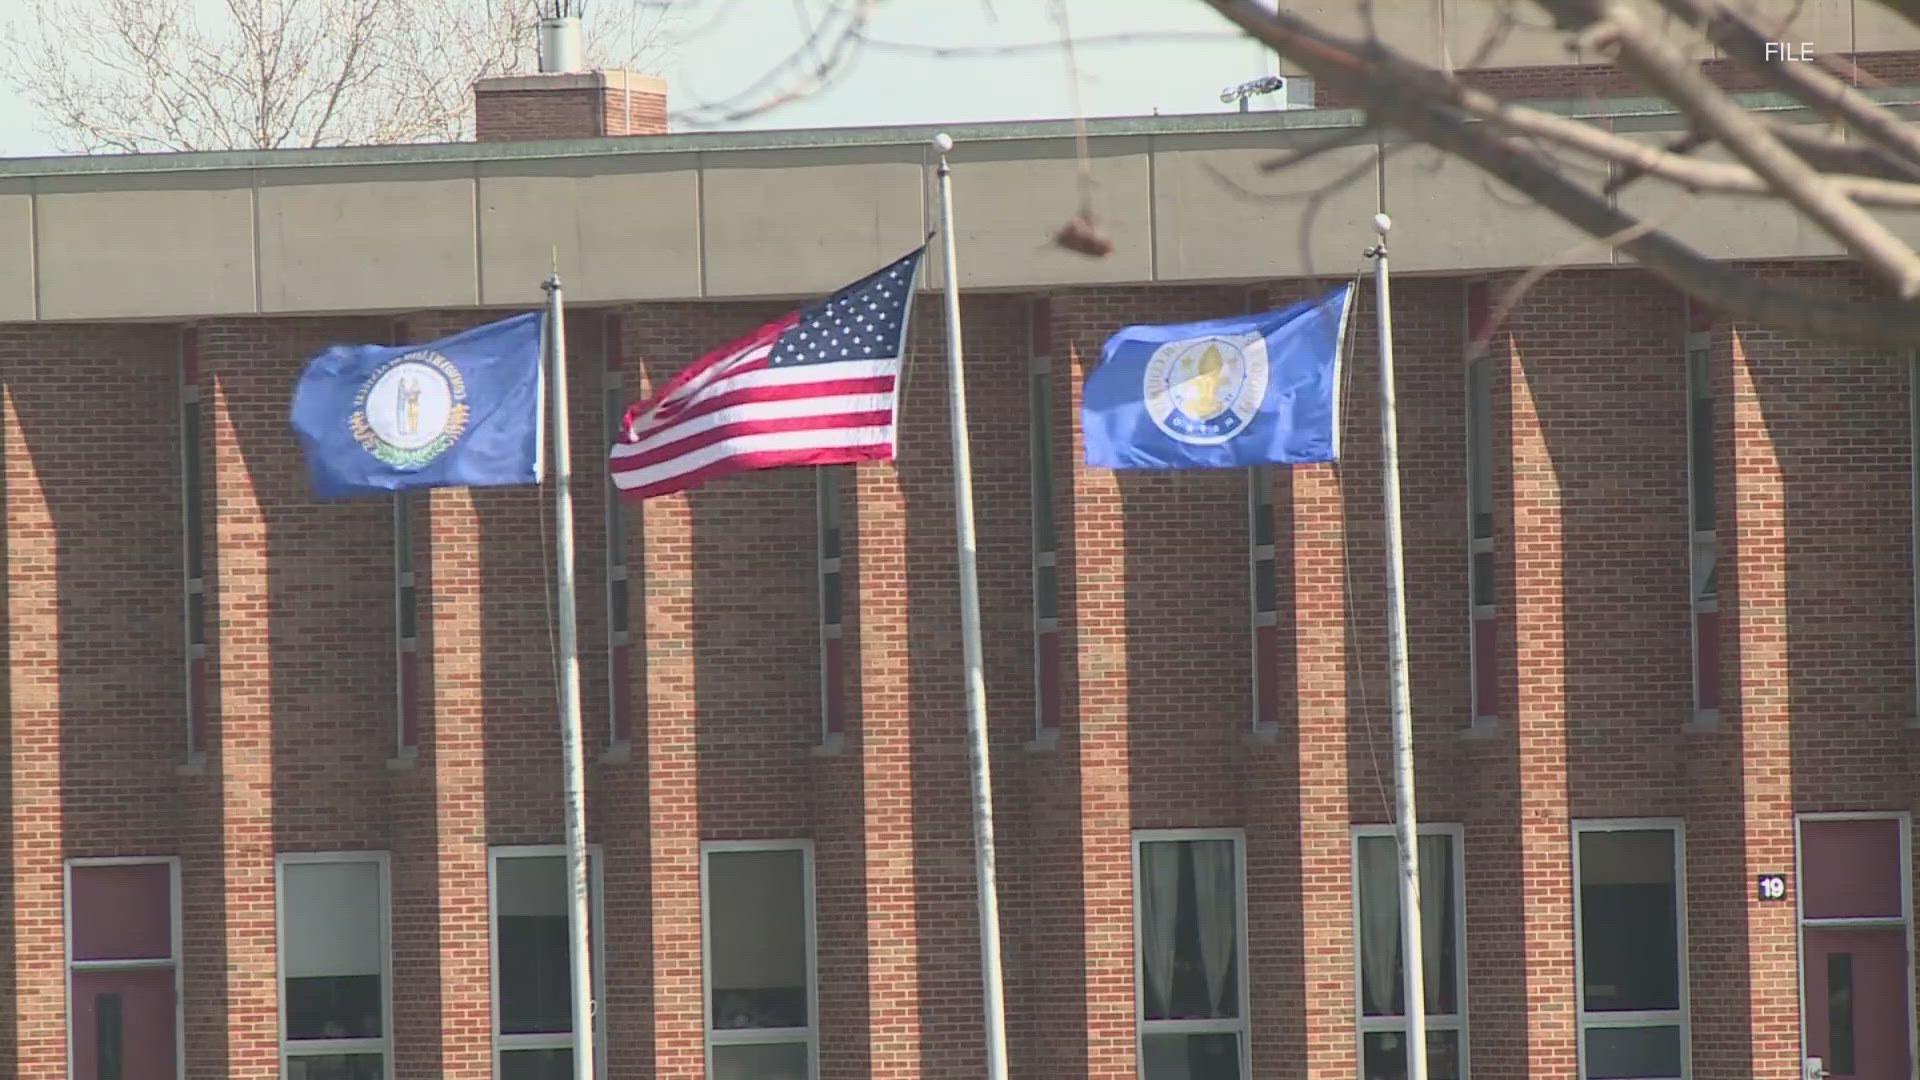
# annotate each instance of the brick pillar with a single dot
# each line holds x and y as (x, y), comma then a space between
(36, 979)
(1297, 803)
(1320, 749)
(1094, 710)
(1751, 532)
(441, 921)
(237, 389)
(668, 751)
(882, 744)
(572, 105)
(1535, 682)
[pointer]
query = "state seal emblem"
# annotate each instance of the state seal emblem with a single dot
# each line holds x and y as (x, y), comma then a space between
(411, 410)
(1204, 391)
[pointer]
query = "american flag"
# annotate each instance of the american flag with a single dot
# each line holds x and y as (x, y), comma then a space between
(814, 388)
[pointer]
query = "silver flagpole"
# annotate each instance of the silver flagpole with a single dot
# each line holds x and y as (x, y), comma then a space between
(1406, 823)
(977, 744)
(570, 740)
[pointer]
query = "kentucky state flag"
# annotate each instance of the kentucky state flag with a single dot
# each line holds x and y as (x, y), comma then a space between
(1221, 394)
(464, 411)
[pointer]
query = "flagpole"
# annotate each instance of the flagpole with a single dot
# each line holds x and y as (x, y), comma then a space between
(570, 739)
(977, 744)
(1405, 820)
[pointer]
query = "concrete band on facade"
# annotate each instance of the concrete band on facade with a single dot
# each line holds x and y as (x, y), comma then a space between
(1561, 706)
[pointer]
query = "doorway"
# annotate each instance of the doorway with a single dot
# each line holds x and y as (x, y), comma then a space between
(1856, 946)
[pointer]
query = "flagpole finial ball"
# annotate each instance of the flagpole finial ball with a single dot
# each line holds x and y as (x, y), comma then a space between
(943, 142)
(1381, 223)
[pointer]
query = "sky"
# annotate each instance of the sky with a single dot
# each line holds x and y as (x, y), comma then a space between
(720, 47)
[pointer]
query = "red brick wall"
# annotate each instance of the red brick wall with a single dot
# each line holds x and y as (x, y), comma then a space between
(1602, 80)
(1821, 586)
(549, 112)
(302, 696)
(93, 630)
(1589, 480)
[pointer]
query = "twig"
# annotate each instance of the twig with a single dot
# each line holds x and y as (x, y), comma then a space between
(1310, 150)
(1525, 283)
(1683, 145)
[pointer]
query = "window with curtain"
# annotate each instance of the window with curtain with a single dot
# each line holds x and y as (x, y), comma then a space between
(1046, 582)
(759, 951)
(333, 967)
(533, 962)
(1381, 985)
(1263, 590)
(193, 545)
(619, 647)
(1703, 551)
(1190, 963)
(1630, 928)
(1485, 680)
(829, 485)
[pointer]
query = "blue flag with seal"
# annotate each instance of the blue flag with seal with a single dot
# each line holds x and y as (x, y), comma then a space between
(1220, 394)
(464, 411)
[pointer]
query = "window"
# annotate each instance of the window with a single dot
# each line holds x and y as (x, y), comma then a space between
(758, 953)
(1630, 928)
(1380, 982)
(833, 696)
(1189, 926)
(532, 958)
(1484, 674)
(123, 969)
(1263, 590)
(1704, 590)
(1046, 581)
(406, 618)
(619, 695)
(335, 980)
(1913, 451)
(193, 547)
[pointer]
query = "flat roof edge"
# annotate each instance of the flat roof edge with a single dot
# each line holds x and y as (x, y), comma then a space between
(799, 138)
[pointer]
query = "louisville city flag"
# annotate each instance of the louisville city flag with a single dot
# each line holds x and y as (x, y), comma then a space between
(464, 411)
(816, 387)
(1221, 394)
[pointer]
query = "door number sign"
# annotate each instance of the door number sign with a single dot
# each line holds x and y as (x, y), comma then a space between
(1772, 887)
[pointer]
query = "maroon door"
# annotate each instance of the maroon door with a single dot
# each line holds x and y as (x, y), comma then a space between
(123, 1024)
(1853, 948)
(1857, 1010)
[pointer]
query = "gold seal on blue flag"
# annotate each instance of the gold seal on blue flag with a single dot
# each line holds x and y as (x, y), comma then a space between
(1205, 390)
(1220, 394)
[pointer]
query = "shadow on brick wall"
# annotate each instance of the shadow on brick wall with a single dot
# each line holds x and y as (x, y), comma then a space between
(107, 541)
(305, 606)
(952, 1013)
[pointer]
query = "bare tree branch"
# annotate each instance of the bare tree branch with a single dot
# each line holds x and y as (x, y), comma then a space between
(1599, 143)
(1359, 72)
(1833, 156)
(1685, 144)
(142, 75)
(1517, 291)
(1808, 82)
(1617, 27)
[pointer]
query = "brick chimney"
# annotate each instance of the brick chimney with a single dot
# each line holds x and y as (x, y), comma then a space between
(569, 105)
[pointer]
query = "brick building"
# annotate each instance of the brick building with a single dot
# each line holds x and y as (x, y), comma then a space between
(282, 778)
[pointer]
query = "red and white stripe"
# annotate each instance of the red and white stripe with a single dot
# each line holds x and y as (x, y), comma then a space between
(731, 412)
